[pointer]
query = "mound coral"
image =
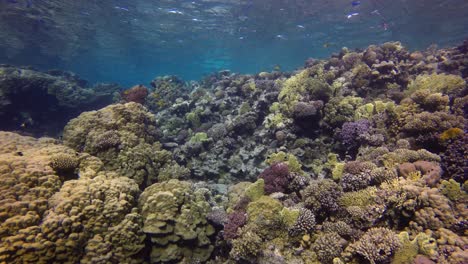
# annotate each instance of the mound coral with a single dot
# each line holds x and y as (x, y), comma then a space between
(44, 220)
(123, 136)
(174, 216)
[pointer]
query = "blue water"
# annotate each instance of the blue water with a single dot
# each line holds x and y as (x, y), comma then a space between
(134, 41)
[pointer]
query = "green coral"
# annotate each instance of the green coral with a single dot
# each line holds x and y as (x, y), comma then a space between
(264, 217)
(199, 137)
(444, 83)
(360, 198)
(452, 190)
(194, 119)
(421, 244)
(298, 86)
(255, 190)
(293, 163)
(175, 220)
(370, 109)
(340, 110)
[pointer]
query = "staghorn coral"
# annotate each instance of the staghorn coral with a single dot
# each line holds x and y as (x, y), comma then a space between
(377, 245)
(174, 215)
(131, 128)
(353, 134)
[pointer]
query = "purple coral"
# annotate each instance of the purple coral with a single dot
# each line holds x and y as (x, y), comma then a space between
(276, 178)
(353, 133)
(235, 220)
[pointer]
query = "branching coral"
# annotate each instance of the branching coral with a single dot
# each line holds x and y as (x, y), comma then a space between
(322, 196)
(276, 178)
(377, 245)
(135, 94)
(304, 223)
(328, 246)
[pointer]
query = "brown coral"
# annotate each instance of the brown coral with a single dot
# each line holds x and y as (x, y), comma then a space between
(137, 94)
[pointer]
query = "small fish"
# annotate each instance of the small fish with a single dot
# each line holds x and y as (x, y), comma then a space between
(277, 67)
(279, 36)
(175, 12)
(300, 26)
(385, 26)
(122, 8)
(196, 19)
(351, 15)
(355, 3)
(241, 38)
(326, 45)
(375, 12)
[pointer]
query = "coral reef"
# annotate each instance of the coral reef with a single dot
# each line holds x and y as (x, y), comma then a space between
(360, 158)
(123, 136)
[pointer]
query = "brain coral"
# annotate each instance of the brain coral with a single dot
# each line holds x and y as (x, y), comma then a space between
(46, 220)
(175, 220)
(123, 136)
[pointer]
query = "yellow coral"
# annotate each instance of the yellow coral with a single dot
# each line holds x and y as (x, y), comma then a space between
(444, 83)
(451, 133)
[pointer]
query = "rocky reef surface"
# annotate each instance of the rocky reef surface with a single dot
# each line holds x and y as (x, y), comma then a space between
(37, 102)
(360, 158)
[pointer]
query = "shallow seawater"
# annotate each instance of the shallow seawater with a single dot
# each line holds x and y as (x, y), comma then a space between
(231, 131)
